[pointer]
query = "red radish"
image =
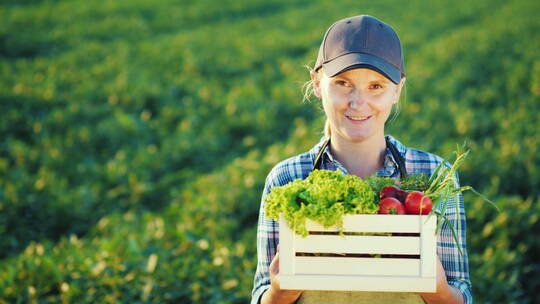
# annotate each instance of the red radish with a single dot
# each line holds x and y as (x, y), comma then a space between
(391, 205)
(389, 191)
(402, 195)
(417, 203)
(395, 192)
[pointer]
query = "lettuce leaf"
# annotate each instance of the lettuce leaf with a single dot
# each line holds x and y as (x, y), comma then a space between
(324, 196)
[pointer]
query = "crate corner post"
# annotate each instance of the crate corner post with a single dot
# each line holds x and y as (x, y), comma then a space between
(428, 250)
(286, 254)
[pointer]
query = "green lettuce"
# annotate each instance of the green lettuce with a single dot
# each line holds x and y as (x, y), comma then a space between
(324, 196)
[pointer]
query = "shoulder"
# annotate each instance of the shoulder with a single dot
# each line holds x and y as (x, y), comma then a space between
(295, 167)
(418, 161)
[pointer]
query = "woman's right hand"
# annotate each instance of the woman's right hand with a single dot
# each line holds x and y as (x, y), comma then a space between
(275, 294)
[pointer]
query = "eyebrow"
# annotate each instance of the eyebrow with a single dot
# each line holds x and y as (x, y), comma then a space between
(338, 76)
(381, 79)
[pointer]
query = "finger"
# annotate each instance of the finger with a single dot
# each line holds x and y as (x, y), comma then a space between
(274, 266)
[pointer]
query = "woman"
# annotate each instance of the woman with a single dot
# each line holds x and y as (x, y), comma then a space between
(358, 76)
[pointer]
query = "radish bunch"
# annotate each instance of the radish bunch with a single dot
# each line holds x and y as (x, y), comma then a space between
(398, 201)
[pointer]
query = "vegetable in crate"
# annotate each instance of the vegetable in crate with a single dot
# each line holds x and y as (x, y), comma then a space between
(417, 203)
(391, 205)
(395, 192)
(415, 182)
(414, 202)
(324, 196)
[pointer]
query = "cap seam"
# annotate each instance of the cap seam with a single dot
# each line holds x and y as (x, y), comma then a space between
(368, 31)
(324, 42)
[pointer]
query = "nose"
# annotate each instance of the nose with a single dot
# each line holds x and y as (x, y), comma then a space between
(357, 99)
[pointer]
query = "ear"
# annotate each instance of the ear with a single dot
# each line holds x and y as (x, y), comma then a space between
(316, 83)
(398, 89)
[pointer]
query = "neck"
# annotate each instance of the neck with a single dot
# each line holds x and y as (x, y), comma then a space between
(361, 158)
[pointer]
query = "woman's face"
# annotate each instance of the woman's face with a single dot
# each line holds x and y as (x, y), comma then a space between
(357, 102)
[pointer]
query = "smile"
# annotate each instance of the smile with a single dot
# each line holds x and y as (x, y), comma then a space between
(359, 118)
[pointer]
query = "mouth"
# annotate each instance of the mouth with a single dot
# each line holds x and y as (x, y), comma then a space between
(359, 118)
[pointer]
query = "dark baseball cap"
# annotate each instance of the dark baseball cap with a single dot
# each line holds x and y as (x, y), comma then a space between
(361, 42)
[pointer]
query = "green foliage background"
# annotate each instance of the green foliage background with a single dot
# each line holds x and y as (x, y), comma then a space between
(136, 136)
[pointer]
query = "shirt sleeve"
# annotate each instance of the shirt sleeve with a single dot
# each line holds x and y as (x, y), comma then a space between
(455, 264)
(267, 240)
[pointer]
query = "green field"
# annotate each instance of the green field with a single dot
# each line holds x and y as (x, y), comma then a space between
(136, 137)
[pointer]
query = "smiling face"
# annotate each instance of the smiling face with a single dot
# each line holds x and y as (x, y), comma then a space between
(357, 103)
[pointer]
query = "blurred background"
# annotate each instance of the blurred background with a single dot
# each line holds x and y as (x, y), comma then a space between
(136, 137)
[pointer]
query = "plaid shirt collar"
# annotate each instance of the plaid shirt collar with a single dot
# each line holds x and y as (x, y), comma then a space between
(390, 166)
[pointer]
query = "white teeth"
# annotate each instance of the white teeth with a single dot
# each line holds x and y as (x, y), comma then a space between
(358, 117)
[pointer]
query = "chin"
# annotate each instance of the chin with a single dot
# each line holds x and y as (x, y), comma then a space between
(357, 138)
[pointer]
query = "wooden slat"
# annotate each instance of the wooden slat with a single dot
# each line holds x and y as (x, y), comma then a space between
(357, 283)
(357, 244)
(356, 266)
(374, 223)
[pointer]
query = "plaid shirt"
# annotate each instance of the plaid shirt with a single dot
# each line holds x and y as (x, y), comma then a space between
(416, 162)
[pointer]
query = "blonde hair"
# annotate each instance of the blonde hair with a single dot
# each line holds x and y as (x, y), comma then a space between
(308, 91)
(326, 130)
(307, 88)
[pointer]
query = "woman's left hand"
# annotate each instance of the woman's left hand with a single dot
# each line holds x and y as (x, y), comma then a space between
(444, 293)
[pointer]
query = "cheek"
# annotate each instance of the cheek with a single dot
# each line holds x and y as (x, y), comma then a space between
(385, 102)
(334, 99)
(327, 106)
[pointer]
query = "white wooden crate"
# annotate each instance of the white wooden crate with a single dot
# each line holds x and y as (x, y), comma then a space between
(405, 263)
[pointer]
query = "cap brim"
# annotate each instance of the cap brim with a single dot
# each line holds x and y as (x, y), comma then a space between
(362, 60)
